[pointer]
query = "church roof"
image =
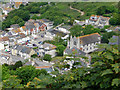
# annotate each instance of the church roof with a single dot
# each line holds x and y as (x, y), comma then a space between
(91, 38)
(75, 51)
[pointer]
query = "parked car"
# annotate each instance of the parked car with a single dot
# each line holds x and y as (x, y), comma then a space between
(40, 42)
(34, 45)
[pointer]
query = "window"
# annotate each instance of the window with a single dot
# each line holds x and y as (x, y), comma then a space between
(80, 41)
(90, 47)
(87, 48)
(74, 43)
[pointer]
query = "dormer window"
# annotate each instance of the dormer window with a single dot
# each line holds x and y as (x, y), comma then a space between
(99, 38)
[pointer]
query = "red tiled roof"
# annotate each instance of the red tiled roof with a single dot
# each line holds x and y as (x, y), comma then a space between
(5, 38)
(88, 35)
(44, 67)
(17, 4)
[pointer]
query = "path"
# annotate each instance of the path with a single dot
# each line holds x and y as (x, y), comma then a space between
(82, 13)
(59, 25)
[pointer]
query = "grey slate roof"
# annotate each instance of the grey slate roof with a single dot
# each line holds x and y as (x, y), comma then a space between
(56, 32)
(45, 20)
(78, 51)
(26, 50)
(90, 39)
(15, 26)
(3, 33)
(19, 48)
(40, 23)
(30, 63)
(30, 26)
(45, 45)
(116, 40)
(22, 49)
(9, 33)
(68, 51)
(8, 5)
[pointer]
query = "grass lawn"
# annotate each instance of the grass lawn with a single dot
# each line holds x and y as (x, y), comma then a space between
(64, 8)
(90, 7)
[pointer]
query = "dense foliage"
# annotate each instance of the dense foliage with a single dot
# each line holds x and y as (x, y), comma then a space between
(96, 8)
(25, 73)
(19, 16)
(104, 73)
(78, 30)
(115, 20)
(106, 36)
(59, 12)
(106, 10)
(47, 57)
(15, 66)
(60, 49)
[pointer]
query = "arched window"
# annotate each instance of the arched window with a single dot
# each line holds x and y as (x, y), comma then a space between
(74, 42)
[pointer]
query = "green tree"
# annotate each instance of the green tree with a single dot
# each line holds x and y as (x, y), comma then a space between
(78, 30)
(47, 57)
(5, 72)
(35, 17)
(43, 81)
(60, 49)
(21, 6)
(12, 82)
(106, 10)
(103, 73)
(18, 64)
(107, 36)
(115, 20)
(101, 10)
(27, 73)
(35, 9)
(34, 55)
(21, 23)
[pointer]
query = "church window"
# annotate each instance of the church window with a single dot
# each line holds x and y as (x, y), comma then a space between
(74, 42)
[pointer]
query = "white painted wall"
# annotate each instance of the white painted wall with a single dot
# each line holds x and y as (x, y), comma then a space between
(1, 46)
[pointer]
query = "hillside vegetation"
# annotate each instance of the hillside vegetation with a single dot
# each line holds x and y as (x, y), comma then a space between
(57, 12)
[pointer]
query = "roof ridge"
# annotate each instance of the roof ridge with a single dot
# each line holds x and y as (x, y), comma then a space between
(88, 35)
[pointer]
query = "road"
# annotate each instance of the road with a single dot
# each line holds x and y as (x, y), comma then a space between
(82, 13)
(59, 25)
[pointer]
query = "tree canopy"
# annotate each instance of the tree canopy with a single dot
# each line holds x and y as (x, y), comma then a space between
(78, 30)
(47, 57)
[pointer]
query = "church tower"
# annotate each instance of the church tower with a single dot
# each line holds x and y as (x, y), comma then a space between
(68, 44)
(71, 42)
(78, 43)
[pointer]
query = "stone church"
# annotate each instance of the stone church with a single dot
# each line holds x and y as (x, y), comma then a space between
(86, 43)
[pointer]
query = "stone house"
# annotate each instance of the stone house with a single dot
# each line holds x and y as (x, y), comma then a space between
(22, 51)
(47, 48)
(86, 43)
(98, 21)
(48, 23)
